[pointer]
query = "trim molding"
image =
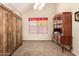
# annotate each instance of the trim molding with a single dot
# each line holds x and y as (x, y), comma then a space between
(75, 53)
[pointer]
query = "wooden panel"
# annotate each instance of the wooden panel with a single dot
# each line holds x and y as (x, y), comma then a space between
(18, 32)
(14, 31)
(7, 32)
(1, 32)
(67, 24)
(67, 27)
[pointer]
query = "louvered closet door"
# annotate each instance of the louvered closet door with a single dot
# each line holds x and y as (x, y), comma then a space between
(7, 28)
(1, 32)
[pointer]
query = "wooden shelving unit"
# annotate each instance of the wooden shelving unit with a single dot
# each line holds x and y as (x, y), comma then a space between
(62, 30)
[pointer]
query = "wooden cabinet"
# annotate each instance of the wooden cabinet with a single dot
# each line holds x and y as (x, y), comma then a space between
(10, 40)
(63, 22)
(66, 39)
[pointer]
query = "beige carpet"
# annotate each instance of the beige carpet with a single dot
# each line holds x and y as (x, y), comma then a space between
(40, 48)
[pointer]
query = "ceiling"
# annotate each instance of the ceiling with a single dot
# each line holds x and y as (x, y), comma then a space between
(22, 7)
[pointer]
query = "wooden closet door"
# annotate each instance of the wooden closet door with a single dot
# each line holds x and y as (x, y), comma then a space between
(7, 28)
(10, 33)
(18, 32)
(1, 32)
(14, 31)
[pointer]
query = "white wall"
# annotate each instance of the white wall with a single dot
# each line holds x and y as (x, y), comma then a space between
(75, 25)
(47, 11)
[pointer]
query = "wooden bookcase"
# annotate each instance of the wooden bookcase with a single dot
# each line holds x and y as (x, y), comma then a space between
(62, 30)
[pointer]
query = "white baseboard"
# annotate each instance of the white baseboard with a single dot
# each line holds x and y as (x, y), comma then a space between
(75, 53)
(37, 39)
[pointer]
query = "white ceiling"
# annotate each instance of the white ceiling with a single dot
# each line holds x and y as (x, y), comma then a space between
(22, 7)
